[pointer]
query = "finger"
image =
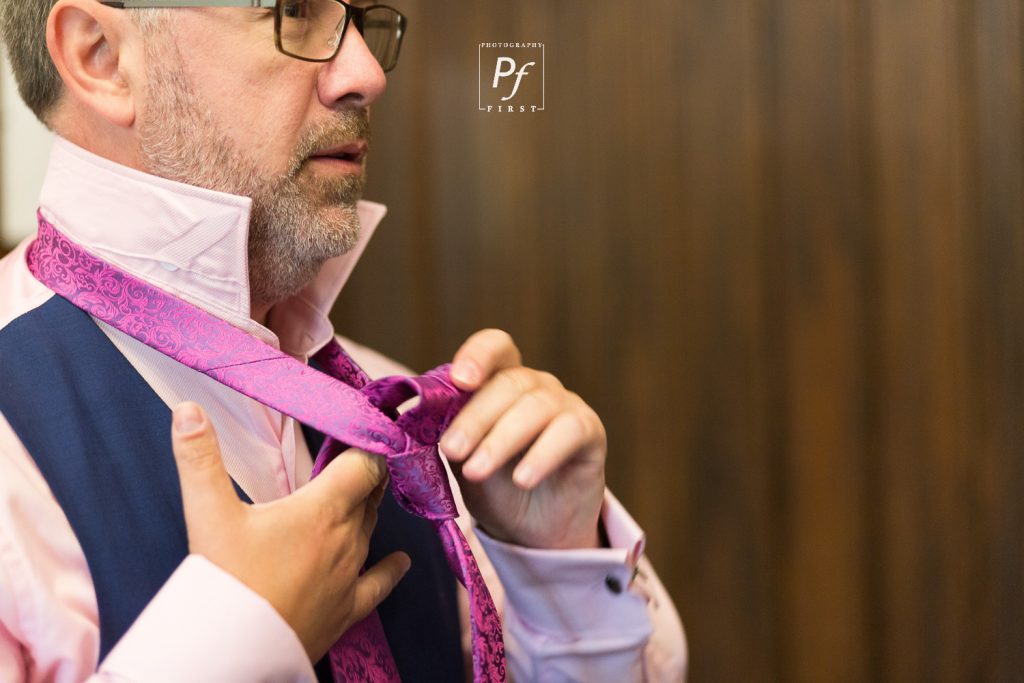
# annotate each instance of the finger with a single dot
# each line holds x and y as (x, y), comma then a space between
(483, 354)
(569, 435)
(349, 480)
(377, 582)
(514, 431)
(487, 405)
(206, 489)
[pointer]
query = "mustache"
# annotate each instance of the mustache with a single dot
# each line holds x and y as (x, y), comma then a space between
(340, 129)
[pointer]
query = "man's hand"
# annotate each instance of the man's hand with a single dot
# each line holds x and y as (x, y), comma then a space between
(303, 552)
(529, 454)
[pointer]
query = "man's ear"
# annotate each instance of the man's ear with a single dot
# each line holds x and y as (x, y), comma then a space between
(86, 43)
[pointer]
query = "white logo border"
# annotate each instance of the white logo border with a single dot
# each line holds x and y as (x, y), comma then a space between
(479, 73)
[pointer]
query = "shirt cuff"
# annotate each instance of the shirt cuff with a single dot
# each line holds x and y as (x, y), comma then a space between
(206, 625)
(568, 595)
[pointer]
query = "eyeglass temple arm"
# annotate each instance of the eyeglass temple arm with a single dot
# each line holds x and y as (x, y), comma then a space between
(153, 4)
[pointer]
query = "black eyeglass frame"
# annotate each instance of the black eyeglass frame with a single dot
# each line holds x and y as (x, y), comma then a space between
(353, 14)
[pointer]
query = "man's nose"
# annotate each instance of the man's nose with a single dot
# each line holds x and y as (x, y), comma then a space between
(354, 77)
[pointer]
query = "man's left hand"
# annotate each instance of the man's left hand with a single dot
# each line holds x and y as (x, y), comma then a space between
(529, 454)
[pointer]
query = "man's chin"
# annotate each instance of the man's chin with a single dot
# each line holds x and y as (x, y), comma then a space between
(339, 225)
(334, 213)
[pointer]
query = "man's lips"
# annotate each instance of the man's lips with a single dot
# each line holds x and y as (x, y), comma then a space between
(354, 152)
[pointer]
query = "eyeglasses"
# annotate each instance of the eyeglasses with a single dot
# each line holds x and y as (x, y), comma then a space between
(311, 30)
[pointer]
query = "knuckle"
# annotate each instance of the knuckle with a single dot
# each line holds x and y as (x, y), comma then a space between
(373, 590)
(201, 455)
(577, 423)
(544, 398)
(198, 447)
(548, 379)
(376, 590)
(574, 399)
(518, 379)
(189, 445)
(583, 422)
(329, 514)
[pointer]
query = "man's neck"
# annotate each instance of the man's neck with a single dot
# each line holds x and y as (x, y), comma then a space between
(258, 312)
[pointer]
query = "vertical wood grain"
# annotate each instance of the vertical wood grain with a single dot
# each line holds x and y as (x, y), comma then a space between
(823, 250)
(998, 331)
(930, 495)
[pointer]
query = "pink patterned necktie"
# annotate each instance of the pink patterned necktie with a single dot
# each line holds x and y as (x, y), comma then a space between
(344, 405)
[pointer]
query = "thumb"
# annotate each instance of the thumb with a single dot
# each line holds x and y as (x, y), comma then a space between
(350, 479)
(206, 490)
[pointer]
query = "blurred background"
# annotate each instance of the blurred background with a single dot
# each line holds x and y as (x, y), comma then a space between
(779, 246)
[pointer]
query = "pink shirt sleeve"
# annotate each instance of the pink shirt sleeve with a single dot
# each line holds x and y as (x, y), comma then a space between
(202, 626)
(588, 615)
(205, 625)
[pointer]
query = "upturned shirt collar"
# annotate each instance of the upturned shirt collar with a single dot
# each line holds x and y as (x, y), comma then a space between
(189, 241)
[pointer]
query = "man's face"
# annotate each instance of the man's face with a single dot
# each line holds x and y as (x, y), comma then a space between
(225, 110)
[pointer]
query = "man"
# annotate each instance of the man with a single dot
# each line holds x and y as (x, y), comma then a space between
(198, 158)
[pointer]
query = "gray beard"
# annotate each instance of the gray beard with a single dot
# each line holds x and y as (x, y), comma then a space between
(297, 221)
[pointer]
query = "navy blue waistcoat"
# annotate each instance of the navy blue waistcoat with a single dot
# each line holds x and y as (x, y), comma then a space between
(101, 438)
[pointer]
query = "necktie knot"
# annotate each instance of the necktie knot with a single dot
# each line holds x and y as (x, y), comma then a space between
(418, 476)
(420, 484)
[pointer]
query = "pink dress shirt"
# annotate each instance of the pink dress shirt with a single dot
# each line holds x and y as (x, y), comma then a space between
(563, 620)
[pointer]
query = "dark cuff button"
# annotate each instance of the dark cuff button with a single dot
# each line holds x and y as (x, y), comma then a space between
(613, 583)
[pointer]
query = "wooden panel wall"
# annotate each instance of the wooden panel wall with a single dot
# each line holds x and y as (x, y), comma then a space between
(779, 245)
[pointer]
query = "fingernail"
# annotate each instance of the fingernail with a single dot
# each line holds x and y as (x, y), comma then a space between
(454, 445)
(187, 418)
(524, 476)
(466, 372)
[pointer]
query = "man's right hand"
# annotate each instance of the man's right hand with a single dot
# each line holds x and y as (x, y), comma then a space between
(303, 552)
